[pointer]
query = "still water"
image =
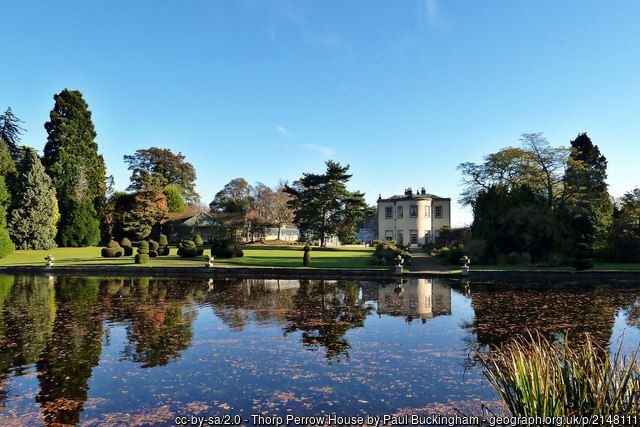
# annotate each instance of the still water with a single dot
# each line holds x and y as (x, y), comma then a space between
(141, 351)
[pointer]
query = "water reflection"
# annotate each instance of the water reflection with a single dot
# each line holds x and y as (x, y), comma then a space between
(69, 342)
(415, 299)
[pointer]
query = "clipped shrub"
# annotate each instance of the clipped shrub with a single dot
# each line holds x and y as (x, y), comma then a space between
(306, 258)
(152, 253)
(143, 253)
(142, 258)
(187, 249)
(113, 250)
(126, 246)
(386, 252)
(582, 260)
(226, 249)
(153, 248)
(519, 258)
(6, 245)
(199, 243)
(163, 245)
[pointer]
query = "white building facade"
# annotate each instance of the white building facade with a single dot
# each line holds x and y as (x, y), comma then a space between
(413, 218)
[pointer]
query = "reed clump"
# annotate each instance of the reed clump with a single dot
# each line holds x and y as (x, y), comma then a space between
(535, 377)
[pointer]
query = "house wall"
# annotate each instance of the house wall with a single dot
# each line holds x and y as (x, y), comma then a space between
(425, 223)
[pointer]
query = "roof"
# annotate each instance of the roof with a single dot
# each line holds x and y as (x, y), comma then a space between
(200, 219)
(414, 196)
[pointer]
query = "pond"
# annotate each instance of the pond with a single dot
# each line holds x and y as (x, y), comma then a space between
(142, 351)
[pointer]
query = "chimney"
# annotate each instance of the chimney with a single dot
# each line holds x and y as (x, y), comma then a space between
(408, 192)
(423, 191)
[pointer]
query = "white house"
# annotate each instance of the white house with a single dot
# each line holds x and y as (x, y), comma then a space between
(412, 218)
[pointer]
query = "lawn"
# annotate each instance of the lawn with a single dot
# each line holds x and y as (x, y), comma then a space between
(254, 256)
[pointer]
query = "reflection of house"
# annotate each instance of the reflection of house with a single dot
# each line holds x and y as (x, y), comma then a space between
(187, 226)
(412, 219)
(419, 298)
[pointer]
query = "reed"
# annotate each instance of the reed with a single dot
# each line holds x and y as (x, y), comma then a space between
(535, 377)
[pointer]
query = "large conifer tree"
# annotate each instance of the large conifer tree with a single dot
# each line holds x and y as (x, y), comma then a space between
(77, 170)
(324, 207)
(586, 193)
(31, 213)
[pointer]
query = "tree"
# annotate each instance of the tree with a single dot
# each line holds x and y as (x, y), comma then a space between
(170, 168)
(175, 203)
(535, 164)
(624, 236)
(323, 206)
(31, 213)
(72, 161)
(273, 205)
(10, 132)
(147, 208)
(235, 198)
(585, 192)
(80, 227)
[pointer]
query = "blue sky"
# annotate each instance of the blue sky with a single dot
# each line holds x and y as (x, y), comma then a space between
(403, 91)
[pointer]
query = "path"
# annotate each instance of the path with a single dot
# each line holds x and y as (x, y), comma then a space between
(422, 262)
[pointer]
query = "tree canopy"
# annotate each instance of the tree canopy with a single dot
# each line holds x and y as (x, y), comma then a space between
(323, 206)
(10, 131)
(72, 161)
(170, 168)
(234, 198)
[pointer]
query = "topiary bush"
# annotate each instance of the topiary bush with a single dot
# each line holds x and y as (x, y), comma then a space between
(113, 250)
(187, 249)
(153, 248)
(306, 258)
(226, 249)
(163, 245)
(199, 243)
(126, 246)
(143, 253)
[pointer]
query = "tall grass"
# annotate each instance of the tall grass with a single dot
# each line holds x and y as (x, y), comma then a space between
(535, 377)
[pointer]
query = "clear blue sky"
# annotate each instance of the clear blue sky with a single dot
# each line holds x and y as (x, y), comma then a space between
(403, 91)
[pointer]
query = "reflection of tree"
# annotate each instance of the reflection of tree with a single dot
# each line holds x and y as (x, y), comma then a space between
(502, 312)
(159, 328)
(72, 352)
(324, 313)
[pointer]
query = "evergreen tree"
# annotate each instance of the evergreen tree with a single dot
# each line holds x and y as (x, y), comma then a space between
(586, 194)
(77, 170)
(7, 175)
(31, 213)
(10, 132)
(80, 227)
(175, 203)
(323, 206)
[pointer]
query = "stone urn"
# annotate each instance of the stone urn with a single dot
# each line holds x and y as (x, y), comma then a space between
(49, 261)
(465, 265)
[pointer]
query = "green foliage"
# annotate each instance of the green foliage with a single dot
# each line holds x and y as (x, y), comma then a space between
(163, 241)
(126, 246)
(187, 249)
(10, 131)
(582, 259)
(76, 169)
(31, 209)
(198, 240)
(449, 255)
(153, 245)
(80, 227)
(143, 247)
(163, 248)
(112, 250)
(387, 251)
(165, 166)
(536, 378)
(624, 236)
(6, 245)
(175, 203)
(306, 259)
(323, 206)
(226, 248)
(146, 208)
(235, 197)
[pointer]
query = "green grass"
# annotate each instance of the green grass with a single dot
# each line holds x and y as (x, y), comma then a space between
(257, 256)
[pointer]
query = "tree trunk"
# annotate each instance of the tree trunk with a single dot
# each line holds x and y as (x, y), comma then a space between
(279, 232)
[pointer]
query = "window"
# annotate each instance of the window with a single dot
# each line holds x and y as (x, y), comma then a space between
(400, 237)
(413, 237)
(400, 213)
(388, 212)
(427, 211)
(413, 211)
(388, 234)
(438, 212)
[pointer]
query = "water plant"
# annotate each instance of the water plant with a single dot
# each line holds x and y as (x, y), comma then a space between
(535, 377)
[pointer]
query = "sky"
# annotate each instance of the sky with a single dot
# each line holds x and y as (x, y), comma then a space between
(402, 91)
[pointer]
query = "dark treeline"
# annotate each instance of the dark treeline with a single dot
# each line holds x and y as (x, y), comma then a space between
(546, 205)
